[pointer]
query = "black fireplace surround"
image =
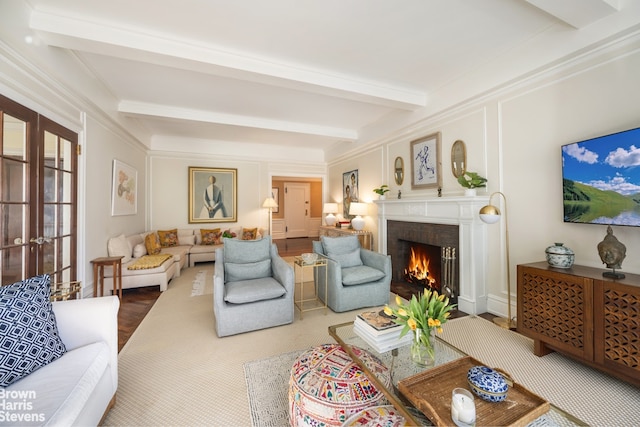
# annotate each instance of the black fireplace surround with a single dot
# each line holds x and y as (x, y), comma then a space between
(401, 235)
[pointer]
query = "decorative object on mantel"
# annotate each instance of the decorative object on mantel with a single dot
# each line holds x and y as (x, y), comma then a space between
(380, 191)
(399, 194)
(425, 162)
(560, 256)
(490, 214)
(398, 170)
(470, 181)
(330, 209)
(423, 315)
(458, 158)
(358, 209)
(612, 252)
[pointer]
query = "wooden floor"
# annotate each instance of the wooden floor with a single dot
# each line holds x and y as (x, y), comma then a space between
(137, 302)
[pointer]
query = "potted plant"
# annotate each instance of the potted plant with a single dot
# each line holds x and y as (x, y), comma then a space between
(470, 181)
(381, 191)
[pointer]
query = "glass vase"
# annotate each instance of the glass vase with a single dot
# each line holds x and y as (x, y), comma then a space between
(422, 348)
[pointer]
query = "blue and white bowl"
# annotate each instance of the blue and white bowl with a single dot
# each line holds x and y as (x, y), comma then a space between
(487, 383)
(560, 256)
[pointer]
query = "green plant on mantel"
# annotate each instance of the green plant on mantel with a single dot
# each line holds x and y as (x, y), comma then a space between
(472, 180)
(381, 190)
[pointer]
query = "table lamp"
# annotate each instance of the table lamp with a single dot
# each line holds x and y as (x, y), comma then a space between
(330, 209)
(490, 214)
(358, 209)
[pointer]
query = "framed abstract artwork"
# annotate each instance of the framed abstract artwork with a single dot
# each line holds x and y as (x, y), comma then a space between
(425, 162)
(213, 195)
(124, 189)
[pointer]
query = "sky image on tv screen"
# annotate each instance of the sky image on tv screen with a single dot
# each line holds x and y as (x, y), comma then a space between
(601, 179)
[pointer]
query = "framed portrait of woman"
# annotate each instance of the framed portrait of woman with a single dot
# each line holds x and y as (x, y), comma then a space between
(212, 195)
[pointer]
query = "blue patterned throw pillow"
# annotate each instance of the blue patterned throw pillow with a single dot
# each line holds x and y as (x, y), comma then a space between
(29, 336)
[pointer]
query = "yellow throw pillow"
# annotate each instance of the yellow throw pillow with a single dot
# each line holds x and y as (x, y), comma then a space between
(211, 237)
(249, 233)
(168, 237)
(152, 244)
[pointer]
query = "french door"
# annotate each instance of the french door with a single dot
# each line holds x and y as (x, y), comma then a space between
(38, 164)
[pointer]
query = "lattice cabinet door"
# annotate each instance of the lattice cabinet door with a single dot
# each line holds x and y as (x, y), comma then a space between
(555, 309)
(617, 326)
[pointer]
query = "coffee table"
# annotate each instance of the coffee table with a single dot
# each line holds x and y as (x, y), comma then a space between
(401, 366)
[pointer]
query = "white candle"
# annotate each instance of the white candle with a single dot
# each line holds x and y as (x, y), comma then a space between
(463, 408)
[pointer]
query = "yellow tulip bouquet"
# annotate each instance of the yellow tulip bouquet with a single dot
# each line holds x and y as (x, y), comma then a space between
(422, 315)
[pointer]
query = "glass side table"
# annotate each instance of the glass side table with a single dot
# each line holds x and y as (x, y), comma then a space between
(304, 302)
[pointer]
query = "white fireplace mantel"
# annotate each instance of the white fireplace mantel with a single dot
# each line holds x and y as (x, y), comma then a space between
(472, 250)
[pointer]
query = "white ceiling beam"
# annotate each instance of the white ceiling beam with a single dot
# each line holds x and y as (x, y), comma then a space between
(578, 13)
(147, 109)
(84, 35)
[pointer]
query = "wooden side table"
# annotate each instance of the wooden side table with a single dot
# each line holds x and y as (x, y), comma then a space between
(98, 273)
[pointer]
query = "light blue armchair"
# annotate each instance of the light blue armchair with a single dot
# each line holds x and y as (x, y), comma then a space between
(252, 287)
(356, 277)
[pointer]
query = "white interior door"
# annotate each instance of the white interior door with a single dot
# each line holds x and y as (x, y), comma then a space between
(296, 209)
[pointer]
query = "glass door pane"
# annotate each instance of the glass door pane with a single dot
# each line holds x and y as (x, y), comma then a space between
(59, 219)
(14, 198)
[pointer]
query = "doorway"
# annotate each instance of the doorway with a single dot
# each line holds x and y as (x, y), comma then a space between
(38, 196)
(297, 209)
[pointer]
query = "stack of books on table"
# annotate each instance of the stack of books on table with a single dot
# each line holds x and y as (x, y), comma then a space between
(380, 331)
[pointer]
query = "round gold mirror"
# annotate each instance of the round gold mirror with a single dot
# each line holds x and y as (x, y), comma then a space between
(458, 158)
(398, 172)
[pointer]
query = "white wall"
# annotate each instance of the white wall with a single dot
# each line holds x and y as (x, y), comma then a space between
(513, 138)
(52, 83)
(169, 195)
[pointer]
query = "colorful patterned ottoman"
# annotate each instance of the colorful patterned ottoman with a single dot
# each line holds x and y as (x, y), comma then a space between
(326, 387)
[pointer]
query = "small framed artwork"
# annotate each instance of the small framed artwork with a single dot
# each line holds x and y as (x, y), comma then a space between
(425, 162)
(124, 189)
(275, 194)
(213, 195)
(349, 191)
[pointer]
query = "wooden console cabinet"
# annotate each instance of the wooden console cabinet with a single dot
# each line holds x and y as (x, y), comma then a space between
(582, 314)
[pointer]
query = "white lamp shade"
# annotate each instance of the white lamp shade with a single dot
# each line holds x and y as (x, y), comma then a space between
(330, 208)
(358, 209)
(270, 203)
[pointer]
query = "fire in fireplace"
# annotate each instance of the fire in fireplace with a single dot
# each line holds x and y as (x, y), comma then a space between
(434, 248)
(419, 270)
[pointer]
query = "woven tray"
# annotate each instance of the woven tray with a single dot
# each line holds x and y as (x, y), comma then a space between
(430, 392)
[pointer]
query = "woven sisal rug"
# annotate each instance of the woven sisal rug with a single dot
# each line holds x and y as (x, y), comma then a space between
(586, 393)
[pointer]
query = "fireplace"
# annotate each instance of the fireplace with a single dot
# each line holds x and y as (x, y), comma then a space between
(446, 223)
(424, 256)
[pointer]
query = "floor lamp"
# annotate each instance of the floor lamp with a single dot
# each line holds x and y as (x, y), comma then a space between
(270, 203)
(490, 214)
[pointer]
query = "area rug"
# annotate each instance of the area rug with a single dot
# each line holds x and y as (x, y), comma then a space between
(594, 397)
(579, 390)
(197, 287)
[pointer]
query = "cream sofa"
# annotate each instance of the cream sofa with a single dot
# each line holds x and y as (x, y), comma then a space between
(188, 252)
(79, 387)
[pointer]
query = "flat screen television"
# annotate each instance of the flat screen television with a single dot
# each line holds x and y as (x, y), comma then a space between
(601, 179)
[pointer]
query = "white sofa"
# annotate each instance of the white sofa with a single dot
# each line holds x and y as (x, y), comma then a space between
(188, 252)
(80, 387)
